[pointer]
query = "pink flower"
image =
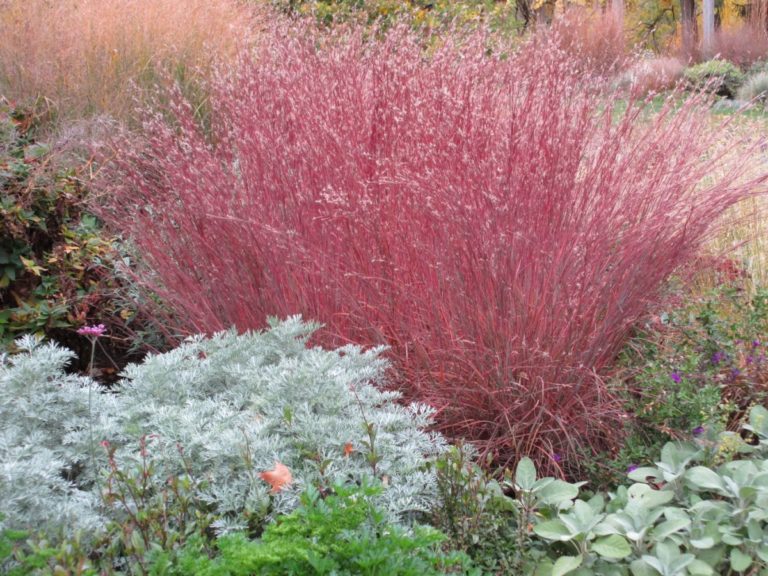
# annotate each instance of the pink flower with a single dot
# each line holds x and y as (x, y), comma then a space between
(92, 331)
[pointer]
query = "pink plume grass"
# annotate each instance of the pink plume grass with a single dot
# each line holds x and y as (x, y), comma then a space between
(501, 221)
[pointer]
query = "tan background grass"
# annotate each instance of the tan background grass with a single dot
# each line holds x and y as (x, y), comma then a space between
(743, 235)
(82, 56)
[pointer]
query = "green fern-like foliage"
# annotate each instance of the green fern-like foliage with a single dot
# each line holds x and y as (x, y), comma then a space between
(222, 409)
(342, 534)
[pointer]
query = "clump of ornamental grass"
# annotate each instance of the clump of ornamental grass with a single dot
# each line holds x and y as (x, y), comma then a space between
(83, 57)
(593, 38)
(497, 218)
(755, 88)
(653, 75)
(743, 235)
(744, 44)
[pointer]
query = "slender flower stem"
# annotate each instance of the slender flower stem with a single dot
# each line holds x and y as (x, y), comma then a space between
(92, 333)
(90, 403)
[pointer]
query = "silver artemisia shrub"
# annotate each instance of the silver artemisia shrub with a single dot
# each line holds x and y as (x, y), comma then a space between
(222, 409)
(42, 414)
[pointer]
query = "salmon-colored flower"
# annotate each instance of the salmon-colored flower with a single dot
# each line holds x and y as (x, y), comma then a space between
(278, 478)
(348, 449)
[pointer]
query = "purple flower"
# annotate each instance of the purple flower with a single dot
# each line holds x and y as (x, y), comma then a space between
(676, 377)
(92, 331)
(718, 357)
(698, 431)
(755, 343)
(735, 372)
(556, 457)
(631, 468)
(750, 359)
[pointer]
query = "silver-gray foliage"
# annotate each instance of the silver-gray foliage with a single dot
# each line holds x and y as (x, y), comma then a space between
(230, 406)
(41, 411)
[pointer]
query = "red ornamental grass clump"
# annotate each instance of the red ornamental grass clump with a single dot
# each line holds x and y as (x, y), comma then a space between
(743, 45)
(494, 219)
(593, 38)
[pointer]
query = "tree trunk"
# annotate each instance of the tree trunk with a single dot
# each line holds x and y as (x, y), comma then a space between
(524, 11)
(688, 17)
(617, 10)
(708, 33)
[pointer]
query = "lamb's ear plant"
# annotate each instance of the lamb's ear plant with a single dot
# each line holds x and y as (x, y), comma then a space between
(670, 469)
(758, 425)
(684, 516)
(550, 506)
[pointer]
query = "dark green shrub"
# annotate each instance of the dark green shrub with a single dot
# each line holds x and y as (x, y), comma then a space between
(149, 519)
(475, 514)
(718, 76)
(700, 365)
(57, 267)
(337, 533)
